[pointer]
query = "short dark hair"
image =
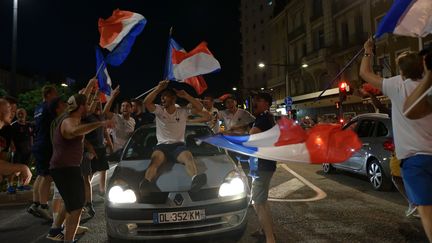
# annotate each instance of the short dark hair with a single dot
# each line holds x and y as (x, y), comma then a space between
(135, 101)
(168, 92)
(265, 96)
(127, 101)
(411, 65)
(47, 89)
(229, 97)
(11, 100)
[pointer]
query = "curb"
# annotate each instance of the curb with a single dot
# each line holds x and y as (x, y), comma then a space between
(19, 198)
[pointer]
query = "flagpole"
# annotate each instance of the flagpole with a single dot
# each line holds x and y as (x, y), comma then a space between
(148, 91)
(100, 68)
(329, 84)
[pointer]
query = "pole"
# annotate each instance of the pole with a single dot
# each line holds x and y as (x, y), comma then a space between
(148, 91)
(13, 86)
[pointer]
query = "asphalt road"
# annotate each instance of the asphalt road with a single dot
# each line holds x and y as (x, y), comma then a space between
(307, 206)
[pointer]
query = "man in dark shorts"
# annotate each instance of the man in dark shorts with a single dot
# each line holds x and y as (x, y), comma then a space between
(66, 160)
(170, 132)
(260, 184)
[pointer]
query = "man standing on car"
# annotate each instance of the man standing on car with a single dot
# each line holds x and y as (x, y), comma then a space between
(170, 133)
(260, 184)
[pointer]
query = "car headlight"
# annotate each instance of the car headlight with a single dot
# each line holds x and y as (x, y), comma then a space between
(232, 186)
(116, 194)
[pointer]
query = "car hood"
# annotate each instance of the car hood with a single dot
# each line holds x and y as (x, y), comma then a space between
(173, 176)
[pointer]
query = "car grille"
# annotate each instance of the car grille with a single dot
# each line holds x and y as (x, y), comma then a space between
(204, 194)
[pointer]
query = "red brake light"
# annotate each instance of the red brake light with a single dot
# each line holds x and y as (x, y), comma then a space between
(389, 145)
(341, 121)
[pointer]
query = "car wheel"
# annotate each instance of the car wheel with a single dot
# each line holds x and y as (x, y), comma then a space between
(328, 168)
(377, 178)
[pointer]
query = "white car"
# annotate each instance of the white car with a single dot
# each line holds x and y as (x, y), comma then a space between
(173, 211)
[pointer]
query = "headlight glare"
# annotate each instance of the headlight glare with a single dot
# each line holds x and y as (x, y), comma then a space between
(117, 195)
(232, 187)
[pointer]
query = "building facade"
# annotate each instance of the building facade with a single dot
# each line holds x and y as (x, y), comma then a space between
(312, 41)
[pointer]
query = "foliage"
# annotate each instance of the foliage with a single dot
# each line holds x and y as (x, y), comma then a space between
(2, 92)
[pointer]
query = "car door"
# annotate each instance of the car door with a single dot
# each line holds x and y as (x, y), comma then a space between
(365, 131)
(352, 125)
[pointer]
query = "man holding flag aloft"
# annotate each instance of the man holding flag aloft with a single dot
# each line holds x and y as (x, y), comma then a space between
(170, 132)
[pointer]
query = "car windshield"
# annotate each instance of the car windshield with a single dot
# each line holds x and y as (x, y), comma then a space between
(143, 141)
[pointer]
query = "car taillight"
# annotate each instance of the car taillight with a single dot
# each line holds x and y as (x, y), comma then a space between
(389, 145)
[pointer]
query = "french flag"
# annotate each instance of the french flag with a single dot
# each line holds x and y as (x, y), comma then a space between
(407, 18)
(288, 142)
(171, 68)
(104, 80)
(118, 34)
(199, 61)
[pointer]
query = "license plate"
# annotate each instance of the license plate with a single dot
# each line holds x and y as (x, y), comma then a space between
(181, 216)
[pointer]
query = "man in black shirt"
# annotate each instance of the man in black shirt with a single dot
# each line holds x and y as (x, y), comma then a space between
(260, 184)
(140, 117)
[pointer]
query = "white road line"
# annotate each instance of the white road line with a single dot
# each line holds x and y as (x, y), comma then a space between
(283, 190)
(320, 194)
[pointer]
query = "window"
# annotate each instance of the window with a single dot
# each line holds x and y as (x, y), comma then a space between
(365, 128)
(381, 130)
(318, 41)
(384, 62)
(317, 9)
(359, 25)
(344, 34)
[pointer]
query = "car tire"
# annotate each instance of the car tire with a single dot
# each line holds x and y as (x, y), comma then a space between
(328, 168)
(377, 177)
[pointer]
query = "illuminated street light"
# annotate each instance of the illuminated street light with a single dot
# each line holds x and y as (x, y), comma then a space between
(304, 65)
(262, 88)
(261, 65)
(234, 88)
(64, 85)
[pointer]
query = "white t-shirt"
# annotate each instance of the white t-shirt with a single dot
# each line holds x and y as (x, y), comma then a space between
(214, 122)
(170, 128)
(122, 131)
(239, 118)
(411, 136)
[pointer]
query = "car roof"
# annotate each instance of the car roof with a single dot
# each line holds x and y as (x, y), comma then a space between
(372, 115)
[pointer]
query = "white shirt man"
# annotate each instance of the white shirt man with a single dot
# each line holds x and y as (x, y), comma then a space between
(170, 128)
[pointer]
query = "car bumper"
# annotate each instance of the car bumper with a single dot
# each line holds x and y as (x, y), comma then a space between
(137, 224)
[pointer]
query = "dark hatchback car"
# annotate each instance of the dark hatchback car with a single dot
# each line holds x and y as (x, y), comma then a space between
(373, 159)
(218, 208)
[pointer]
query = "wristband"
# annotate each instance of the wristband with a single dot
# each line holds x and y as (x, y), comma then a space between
(367, 55)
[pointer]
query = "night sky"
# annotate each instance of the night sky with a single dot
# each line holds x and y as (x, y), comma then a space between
(59, 37)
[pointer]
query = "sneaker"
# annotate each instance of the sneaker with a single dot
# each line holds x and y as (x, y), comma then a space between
(81, 230)
(33, 210)
(55, 234)
(90, 210)
(198, 181)
(11, 190)
(410, 210)
(44, 212)
(24, 188)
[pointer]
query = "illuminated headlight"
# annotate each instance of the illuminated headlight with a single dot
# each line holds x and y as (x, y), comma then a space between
(117, 195)
(232, 186)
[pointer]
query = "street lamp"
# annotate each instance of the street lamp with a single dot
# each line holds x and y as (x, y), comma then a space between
(64, 85)
(304, 65)
(234, 88)
(13, 86)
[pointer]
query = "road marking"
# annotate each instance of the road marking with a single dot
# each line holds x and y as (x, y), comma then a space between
(283, 190)
(320, 194)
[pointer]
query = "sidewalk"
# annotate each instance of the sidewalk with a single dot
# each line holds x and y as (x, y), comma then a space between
(19, 198)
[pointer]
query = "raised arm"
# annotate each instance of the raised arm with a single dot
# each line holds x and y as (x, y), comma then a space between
(106, 111)
(150, 98)
(71, 128)
(366, 72)
(194, 102)
(89, 88)
(423, 107)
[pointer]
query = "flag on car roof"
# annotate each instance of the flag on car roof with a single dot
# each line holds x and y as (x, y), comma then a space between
(104, 80)
(289, 142)
(118, 34)
(190, 72)
(408, 18)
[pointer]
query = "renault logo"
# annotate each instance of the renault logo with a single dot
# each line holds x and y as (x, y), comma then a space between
(178, 199)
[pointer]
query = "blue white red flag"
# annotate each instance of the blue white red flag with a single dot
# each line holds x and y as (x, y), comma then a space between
(288, 142)
(118, 34)
(408, 18)
(104, 80)
(196, 81)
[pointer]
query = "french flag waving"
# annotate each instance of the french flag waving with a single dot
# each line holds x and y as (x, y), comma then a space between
(183, 65)
(408, 18)
(288, 142)
(104, 80)
(118, 34)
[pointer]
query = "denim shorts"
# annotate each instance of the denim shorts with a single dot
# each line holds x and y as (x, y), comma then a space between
(417, 177)
(260, 186)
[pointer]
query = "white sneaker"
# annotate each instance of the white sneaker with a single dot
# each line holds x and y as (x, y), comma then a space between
(410, 210)
(44, 212)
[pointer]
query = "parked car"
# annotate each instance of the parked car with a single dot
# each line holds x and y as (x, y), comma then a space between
(218, 208)
(372, 160)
